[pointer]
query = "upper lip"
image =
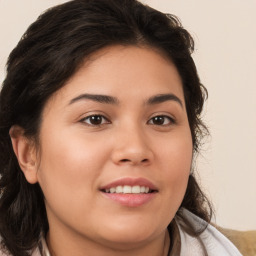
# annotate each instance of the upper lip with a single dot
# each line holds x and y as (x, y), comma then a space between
(130, 182)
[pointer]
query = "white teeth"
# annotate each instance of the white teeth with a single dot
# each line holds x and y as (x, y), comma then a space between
(128, 189)
(119, 189)
(136, 189)
(142, 189)
(112, 190)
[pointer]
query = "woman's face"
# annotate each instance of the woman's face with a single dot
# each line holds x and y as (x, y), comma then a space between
(115, 149)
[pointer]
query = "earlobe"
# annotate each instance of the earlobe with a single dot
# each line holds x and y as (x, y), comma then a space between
(25, 152)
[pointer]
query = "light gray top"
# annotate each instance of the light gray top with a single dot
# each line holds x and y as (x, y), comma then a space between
(214, 242)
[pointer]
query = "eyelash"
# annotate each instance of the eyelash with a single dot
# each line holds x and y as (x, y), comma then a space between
(170, 120)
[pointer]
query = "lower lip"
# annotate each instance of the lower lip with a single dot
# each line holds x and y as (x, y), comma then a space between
(130, 200)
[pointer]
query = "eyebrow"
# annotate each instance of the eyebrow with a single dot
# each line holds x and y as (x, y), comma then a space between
(106, 99)
(160, 98)
(96, 97)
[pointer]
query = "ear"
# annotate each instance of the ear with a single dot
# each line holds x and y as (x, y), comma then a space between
(25, 152)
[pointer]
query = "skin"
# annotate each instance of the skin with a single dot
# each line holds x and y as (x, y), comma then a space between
(76, 158)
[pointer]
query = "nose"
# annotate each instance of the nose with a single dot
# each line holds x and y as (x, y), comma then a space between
(132, 147)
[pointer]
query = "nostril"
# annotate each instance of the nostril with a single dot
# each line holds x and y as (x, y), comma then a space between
(125, 160)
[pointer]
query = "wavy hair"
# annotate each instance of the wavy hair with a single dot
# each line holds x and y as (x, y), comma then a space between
(49, 53)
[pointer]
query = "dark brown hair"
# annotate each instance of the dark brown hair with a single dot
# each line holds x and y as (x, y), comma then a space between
(49, 53)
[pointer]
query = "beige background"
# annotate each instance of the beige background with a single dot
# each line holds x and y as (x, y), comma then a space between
(225, 55)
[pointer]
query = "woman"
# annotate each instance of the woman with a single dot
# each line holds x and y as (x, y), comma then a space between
(100, 120)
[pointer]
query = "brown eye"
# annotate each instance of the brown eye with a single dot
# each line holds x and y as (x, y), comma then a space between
(161, 120)
(95, 120)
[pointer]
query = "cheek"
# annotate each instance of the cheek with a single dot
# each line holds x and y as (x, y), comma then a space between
(175, 153)
(69, 168)
(175, 159)
(68, 177)
(70, 154)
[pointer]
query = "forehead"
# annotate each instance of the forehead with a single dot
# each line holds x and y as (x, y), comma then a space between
(124, 72)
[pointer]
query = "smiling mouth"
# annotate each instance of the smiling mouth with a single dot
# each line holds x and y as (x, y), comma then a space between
(126, 189)
(130, 192)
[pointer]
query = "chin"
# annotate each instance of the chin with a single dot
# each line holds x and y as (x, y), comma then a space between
(128, 235)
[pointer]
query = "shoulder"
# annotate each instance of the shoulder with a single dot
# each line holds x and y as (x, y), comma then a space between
(210, 240)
